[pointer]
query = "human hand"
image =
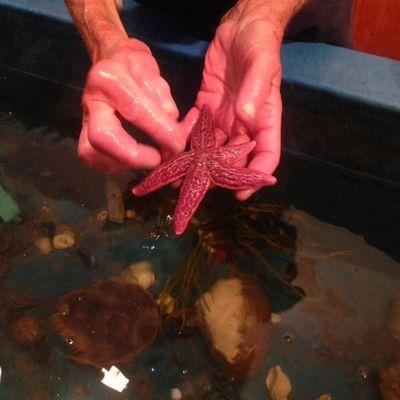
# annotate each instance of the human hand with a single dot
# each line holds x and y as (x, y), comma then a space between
(241, 85)
(126, 83)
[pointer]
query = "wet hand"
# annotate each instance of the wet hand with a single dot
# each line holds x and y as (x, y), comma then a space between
(127, 84)
(241, 84)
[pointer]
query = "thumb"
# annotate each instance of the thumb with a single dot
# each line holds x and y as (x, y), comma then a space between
(256, 87)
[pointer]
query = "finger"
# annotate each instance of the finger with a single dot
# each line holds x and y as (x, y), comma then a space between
(256, 87)
(268, 130)
(137, 107)
(257, 163)
(92, 157)
(187, 124)
(266, 154)
(106, 134)
(153, 84)
(190, 119)
(160, 93)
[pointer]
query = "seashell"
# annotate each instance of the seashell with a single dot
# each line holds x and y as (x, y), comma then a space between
(278, 384)
(234, 315)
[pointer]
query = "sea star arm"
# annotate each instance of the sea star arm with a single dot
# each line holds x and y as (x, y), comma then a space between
(202, 134)
(233, 153)
(238, 178)
(164, 174)
(194, 187)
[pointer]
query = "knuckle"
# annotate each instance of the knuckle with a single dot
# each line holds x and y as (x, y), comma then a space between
(163, 85)
(101, 71)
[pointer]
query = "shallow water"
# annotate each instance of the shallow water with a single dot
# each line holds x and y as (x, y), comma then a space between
(334, 340)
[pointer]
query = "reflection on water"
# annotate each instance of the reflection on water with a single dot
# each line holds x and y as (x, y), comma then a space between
(251, 289)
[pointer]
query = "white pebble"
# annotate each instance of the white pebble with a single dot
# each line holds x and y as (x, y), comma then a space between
(140, 273)
(176, 394)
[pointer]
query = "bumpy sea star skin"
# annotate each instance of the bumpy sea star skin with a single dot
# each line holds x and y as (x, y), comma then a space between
(205, 165)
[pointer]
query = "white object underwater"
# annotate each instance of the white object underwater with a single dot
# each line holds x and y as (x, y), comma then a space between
(114, 379)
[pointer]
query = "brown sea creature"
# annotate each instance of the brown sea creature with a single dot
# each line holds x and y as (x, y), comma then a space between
(109, 322)
(234, 314)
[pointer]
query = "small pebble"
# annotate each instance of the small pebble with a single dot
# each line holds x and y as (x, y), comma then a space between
(44, 245)
(324, 397)
(131, 214)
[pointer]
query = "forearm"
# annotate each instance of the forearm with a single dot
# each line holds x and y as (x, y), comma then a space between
(99, 24)
(276, 12)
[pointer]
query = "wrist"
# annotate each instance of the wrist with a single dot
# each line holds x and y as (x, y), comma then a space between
(100, 26)
(105, 32)
(275, 14)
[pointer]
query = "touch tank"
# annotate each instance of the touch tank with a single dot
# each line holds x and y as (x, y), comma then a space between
(290, 295)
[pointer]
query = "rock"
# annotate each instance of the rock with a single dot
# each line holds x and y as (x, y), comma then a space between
(115, 204)
(278, 384)
(234, 315)
(389, 382)
(324, 397)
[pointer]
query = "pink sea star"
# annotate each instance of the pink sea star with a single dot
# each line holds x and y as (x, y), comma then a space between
(203, 166)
